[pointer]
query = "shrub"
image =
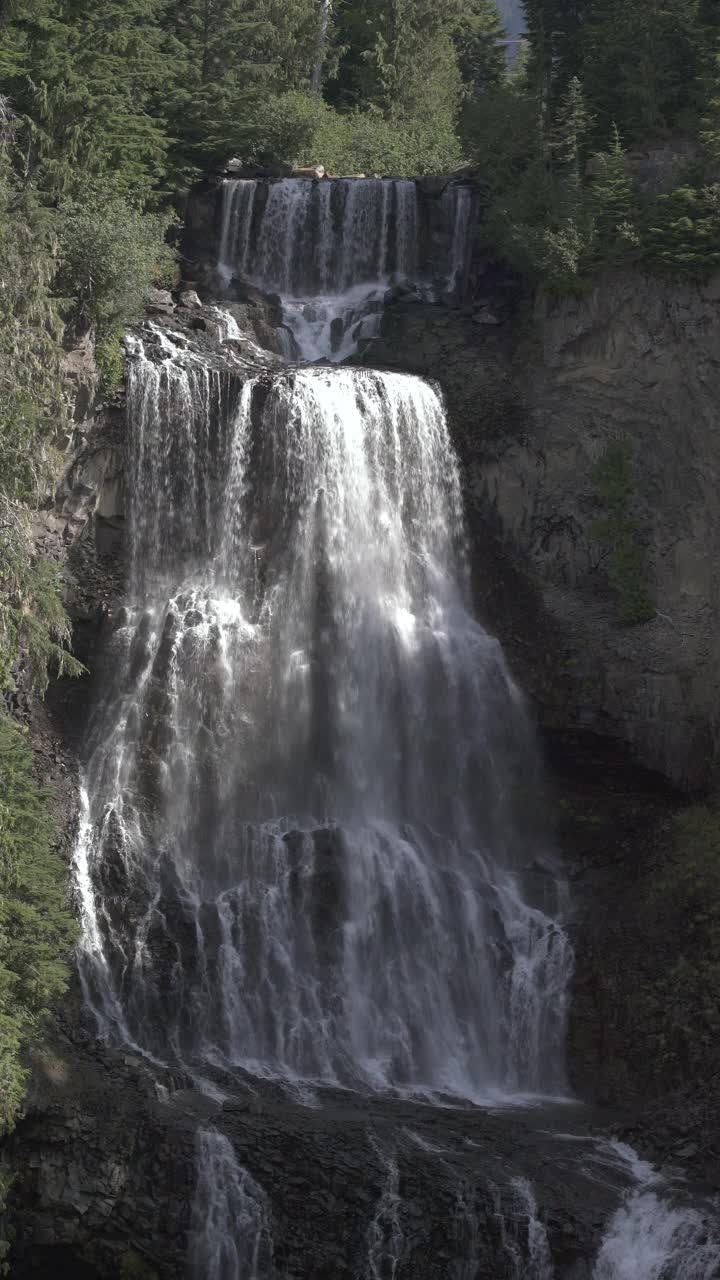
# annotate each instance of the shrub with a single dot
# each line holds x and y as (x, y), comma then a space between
(300, 129)
(134, 1267)
(110, 360)
(111, 251)
(36, 930)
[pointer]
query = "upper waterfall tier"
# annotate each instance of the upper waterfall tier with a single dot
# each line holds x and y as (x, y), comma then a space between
(310, 848)
(302, 239)
(331, 249)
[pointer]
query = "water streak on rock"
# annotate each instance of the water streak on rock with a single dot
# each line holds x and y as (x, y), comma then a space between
(230, 1235)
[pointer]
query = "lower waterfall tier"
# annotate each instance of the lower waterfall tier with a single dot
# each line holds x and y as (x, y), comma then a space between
(310, 848)
(123, 1161)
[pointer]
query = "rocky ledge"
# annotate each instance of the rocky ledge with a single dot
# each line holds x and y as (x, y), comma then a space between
(107, 1160)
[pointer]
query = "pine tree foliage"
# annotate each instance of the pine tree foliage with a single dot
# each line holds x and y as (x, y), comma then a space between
(34, 628)
(36, 929)
(614, 204)
(85, 78)
(479, 39)
(31, 404)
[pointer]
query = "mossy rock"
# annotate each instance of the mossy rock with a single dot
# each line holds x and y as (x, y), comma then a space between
(134, 1267)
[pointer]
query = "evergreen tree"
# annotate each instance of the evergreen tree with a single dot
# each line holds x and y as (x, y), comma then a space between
(642, 63)
(480, 42)
(710, 124)
(86, 78)
(614, 204)
(555, 32)
(569, 135)
(236, 54)
(400, 58)
(682, 234)
(36, 930)
(31, 405)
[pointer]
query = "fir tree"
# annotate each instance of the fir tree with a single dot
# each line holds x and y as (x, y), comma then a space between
(36, 930)
(614, 204)
(480, 42)
(710, 124)
(569, 135)
(86, 79)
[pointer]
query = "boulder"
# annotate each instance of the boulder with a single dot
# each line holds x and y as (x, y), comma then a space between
(485, 316)
(159, 301)
(310, 171)
(189, 299)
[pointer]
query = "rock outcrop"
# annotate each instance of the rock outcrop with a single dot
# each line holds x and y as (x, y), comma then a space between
(535, 401)
(107, 1170)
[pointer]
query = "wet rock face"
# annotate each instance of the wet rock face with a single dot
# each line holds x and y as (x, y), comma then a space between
(533, 412)
(109, 1165)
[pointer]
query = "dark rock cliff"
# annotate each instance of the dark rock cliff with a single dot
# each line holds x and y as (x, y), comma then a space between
(535, 398)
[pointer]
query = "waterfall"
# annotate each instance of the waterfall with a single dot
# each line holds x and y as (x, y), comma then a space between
(385, 1236)
(230, 1237)
(458, 200)
(330, 249)
(524, 1237)
(306, 239)
(310, 850)
(311, 824)
(650, 1237)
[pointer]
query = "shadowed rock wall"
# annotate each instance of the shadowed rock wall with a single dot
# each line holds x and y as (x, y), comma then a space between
(535, 399)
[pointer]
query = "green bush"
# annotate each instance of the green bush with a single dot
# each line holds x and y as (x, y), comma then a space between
(110, 251)
(300, 129)
(36, 930)
(110, 360)
(134, 1267)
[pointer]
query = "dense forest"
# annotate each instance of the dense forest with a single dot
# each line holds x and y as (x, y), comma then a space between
(108, 112)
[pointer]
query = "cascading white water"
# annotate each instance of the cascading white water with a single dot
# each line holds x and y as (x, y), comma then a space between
(330, 250)
(652, 1237)
(524, 1237)
(230, 1236)
(303, 239)
(308, 847)
(458, 201)
(385, 1234)
(649, 1239)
